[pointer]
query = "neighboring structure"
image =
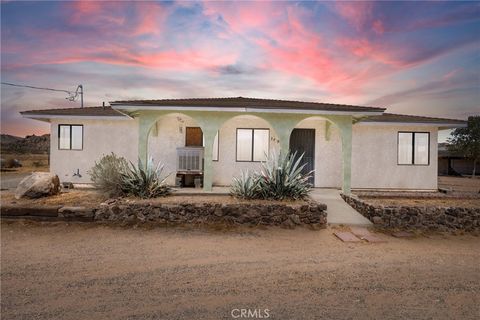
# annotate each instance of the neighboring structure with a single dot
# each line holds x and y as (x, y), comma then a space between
(347, 146)
(452, 163)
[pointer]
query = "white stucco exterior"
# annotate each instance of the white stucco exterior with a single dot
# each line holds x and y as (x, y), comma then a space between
(374, 151)
(374, 159)
(100, 137)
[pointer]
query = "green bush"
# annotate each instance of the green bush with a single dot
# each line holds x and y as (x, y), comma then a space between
(106, 174)
(145, 182)
(280, 178)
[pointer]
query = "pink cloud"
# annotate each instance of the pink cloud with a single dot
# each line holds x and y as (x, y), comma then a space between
(152, 18)
(355, 13)
(378, 26)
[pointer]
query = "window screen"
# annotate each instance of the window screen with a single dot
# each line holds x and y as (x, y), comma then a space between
(252, 144)
(405, 147)
(413, 148)
(260, 144)
(244, 144)
(70, 137)
(421, 148)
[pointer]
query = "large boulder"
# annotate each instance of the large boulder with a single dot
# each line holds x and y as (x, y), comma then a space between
(38, 184)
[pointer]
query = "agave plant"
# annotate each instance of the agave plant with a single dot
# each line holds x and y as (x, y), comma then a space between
(145, 182)
(246, 186)
(281, 177)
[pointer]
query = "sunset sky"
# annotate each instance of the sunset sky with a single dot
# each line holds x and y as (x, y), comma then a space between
(418, 58)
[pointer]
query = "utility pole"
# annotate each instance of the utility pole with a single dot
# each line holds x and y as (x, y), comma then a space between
(81, 95)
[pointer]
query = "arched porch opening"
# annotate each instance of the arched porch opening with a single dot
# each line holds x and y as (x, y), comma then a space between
(243, 142)
(320, 140)
(176, 140)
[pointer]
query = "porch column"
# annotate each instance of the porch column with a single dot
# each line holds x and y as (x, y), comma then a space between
(209, 136)
(283, 126)
(284, 137)
(345, 126)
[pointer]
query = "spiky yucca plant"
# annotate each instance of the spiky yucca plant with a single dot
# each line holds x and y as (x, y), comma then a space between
(281, 177)
(145, 182)
(246, 186)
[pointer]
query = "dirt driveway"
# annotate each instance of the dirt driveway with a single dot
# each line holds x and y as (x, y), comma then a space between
(77, 271)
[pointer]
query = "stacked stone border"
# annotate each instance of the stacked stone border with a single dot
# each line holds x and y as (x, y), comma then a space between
(417, 217)
(287, 215)
(312, 214)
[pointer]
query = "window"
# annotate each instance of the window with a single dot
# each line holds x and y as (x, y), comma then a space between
(252, 144)
(215, 148)
(70, 137)
(414, 148)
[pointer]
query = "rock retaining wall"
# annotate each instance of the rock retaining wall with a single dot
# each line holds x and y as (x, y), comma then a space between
(423, 218)
(311, 214)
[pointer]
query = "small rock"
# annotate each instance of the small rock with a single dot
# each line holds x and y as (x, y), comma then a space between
(295, 219)
(377, 220)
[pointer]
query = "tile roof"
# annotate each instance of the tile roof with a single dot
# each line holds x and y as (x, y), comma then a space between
(87, 111)
(404, 118)
(241, 102)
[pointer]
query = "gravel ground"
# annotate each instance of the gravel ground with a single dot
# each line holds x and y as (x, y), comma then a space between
(87, 271)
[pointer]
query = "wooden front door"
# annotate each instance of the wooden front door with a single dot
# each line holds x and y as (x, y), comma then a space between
(193, 137)
(302, 141)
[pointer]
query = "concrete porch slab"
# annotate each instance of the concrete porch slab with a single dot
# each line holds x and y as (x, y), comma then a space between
(338, 211)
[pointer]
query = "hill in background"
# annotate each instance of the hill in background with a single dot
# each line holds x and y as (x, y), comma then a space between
(29, 144)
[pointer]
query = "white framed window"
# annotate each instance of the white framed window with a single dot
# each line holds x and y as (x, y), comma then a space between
(215, 148)
(252, 144)
(414, 148)
(70, 137)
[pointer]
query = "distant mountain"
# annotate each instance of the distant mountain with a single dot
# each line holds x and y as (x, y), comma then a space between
(29, 144)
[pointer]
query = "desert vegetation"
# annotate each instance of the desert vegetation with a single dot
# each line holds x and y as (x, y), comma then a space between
(280, 178)
(117, 177)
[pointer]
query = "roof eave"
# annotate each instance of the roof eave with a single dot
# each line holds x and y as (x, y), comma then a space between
(439, 125)
(137, 107)
(46, 117)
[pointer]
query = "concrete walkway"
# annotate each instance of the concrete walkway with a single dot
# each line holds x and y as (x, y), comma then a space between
(338, 211)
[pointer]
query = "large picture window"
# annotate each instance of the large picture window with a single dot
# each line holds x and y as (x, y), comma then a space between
(413, 148)
(70, 137)
(252, 144)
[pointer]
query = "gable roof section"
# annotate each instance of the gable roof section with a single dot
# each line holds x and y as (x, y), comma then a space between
(409, 119)
(102, 112)
(245, 103)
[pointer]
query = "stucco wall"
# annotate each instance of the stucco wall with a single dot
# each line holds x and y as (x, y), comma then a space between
(374, 151)
(328, 153)
(100, 137)
(374, 159)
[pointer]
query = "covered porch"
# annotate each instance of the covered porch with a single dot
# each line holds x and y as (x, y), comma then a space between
(158, 130)
(219, 116)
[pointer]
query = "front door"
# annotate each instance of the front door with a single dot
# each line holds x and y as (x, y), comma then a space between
(193, 137)
(302, 141)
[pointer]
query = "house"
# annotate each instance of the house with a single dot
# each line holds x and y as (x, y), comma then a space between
(453, 163)
(215, 139)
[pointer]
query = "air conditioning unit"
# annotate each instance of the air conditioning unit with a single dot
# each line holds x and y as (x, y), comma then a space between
(190, 159)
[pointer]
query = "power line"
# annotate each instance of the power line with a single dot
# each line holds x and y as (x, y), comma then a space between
(72, 95)
(32, 87)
